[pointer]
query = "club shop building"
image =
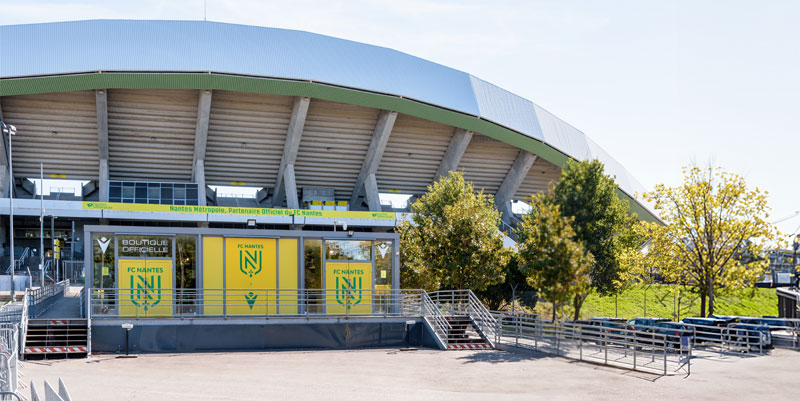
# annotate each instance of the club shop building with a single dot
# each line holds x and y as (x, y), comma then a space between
(222, 186)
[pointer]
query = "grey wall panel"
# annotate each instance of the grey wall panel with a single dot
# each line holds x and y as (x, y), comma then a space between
(57, 129)
(413, 155)
(151, 134)
(245, 137)
(335, 140)
(486, 162)
(505, 108)
(561, 135)
(167, 337)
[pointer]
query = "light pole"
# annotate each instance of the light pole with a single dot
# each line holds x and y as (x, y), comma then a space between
(795, 246)
(11, 131)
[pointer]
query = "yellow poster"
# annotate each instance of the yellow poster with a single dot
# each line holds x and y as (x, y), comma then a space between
(250, 270)
(348, 285)
(145, 287)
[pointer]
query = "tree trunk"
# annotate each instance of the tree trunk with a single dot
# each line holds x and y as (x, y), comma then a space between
(710, 295)
(554, 310)
(577, 303)
(702, 303)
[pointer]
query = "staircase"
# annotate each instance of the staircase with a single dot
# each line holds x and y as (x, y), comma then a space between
(459, 320)
(464, 335)
(56, 337)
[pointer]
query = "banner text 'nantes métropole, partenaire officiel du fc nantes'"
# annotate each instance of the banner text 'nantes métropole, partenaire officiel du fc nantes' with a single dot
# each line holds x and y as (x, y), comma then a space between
(139, 207)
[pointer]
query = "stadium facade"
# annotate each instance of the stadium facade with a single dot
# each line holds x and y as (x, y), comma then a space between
(153, 117)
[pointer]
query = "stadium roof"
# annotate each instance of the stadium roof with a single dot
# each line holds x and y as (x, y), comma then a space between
(68, 56)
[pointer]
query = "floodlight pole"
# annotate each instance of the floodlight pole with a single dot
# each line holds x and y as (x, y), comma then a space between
(41, 225)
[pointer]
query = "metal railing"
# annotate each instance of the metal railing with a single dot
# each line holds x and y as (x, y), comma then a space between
(436, 320)
(229, 302)
(652, 352)
(9, 360)
(466, 303)
(42, 298)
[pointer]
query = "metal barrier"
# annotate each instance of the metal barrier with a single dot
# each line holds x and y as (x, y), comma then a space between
(9, 360)
(229, 302)
(651, 352)
(436, 319)
(42, 298)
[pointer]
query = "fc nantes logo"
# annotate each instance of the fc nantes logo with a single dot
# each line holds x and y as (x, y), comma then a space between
(250, 265)
(250, 262)
(348, 291)
(146, 294)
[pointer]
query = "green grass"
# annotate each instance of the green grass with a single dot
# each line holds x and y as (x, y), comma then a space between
(661, 302)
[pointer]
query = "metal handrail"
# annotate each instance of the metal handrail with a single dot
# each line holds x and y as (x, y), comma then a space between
(235, 302)
(23, 326)
(466, 303)
(436, 319)
(42, 298)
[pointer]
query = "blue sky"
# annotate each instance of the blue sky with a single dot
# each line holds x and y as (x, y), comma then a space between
(658, 84)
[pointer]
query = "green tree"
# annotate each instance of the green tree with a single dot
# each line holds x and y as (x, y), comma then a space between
(713, 219)
(554, 262)
(601, 220)
(515, 285)
(452, 240)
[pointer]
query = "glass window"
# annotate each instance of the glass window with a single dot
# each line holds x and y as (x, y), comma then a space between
(151, 246)
(127, 192)
(103, 269)
(383, 276)
(186, 273)
(313, 274)
(349, 250)
(383, 264)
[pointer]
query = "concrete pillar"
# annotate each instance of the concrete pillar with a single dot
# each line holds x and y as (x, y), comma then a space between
(455, 151)
(290, 146)
(514, 178)
(101, 99)
(291, 187)
(372, 160)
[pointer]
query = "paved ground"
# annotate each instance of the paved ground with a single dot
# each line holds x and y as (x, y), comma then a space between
(412, 375)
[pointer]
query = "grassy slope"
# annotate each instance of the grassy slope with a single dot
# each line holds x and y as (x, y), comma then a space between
(661, 302)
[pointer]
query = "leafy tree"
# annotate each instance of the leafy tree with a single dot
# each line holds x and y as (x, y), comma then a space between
(712, 220)
(601, 220)
(515, 285)
(650, 261)
(554, 262)
(453, 241)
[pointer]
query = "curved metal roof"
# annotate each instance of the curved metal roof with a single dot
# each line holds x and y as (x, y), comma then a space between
(198, 46)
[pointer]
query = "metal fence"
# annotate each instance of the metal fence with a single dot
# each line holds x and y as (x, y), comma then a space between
(42, 298)
(9, 361)
(143, 303)
(614, 346)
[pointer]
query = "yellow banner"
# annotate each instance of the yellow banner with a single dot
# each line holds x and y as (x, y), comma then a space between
(348, 279)
(250, 211)
(250, 267)
(145, 287)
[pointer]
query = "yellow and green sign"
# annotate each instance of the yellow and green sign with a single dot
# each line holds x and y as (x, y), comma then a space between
(346, 283)
(250, 211)
(250, 267)
(145, 287)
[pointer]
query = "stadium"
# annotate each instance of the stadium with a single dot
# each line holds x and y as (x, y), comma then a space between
(232, 182)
